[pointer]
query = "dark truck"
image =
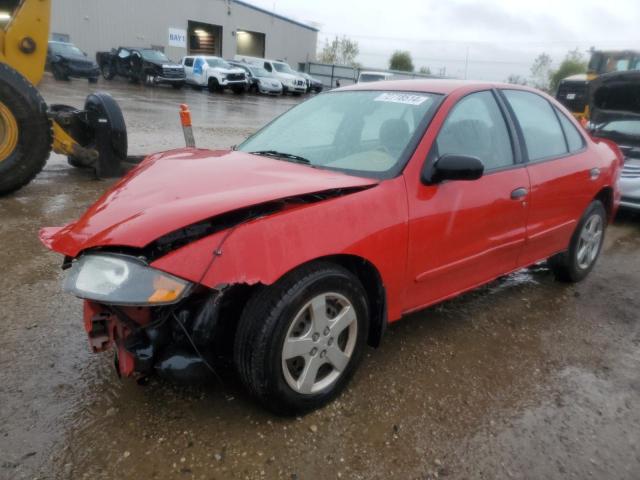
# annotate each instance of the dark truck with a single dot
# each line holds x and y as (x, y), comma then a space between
(144, 65)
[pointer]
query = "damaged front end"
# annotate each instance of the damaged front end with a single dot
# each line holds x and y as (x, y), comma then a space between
(155, 322)
(173, 341)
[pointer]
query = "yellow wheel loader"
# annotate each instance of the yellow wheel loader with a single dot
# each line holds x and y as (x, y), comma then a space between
(574, 91)
(93, 137)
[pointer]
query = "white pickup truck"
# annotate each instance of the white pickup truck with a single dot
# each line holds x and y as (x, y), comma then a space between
(292, 82)
(214, 73)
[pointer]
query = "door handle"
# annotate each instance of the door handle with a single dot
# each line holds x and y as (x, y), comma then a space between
(594, 173)
(519, 193)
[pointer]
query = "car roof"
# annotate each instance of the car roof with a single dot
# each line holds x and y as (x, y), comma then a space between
(431, 85)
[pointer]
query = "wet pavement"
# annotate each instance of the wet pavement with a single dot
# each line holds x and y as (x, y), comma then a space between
(525, 378)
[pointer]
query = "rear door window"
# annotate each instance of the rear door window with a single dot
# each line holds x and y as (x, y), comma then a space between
(575, 141)
(543, 135)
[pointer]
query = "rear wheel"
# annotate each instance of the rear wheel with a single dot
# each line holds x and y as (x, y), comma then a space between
(25, 131)
(586, 243)
(300, 340)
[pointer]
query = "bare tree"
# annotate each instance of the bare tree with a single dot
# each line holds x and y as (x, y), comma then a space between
(340, 51)
(541, 71)
(516, 79)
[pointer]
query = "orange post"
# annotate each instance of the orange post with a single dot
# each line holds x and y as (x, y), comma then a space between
(185, 120)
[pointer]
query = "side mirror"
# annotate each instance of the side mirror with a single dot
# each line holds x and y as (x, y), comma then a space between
(452, 167)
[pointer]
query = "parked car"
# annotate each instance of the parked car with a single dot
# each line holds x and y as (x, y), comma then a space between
(313, 84)
(366, 77)
(65, 60)
(615, 115)
(260, 81)
(291, 81)
(144, 65)
(214, 73)
(270, 255)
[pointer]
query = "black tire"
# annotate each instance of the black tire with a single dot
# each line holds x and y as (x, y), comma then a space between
(177, 86)
(93, 80)
(239, 91)
(265, 323)
(34, 138)
(105, 105)
(566, 265)
(59, 73)
(108, 73)
(214, 85)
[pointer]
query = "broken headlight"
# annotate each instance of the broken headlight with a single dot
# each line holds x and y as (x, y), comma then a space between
(123, 280)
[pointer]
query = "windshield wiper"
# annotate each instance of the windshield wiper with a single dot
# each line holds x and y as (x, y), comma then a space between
(287, 156)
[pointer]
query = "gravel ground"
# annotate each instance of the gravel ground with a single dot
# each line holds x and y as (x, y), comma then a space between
(525, 378)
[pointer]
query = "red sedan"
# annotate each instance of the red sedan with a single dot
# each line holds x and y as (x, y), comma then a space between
(289, 254)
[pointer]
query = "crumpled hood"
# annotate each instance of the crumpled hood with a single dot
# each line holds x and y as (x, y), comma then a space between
(172, 190)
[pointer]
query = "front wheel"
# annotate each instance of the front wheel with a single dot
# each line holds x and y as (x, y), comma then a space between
(59, 72)
(214, 86)
(25, 131)
(300, 340)
(585, 247)
(107, 71)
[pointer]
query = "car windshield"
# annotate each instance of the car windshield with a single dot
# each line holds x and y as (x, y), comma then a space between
(154, 56)
(370, 77)
(259, 72)
(365, 133)
(283, 68)
(66, 49)
(218, 62)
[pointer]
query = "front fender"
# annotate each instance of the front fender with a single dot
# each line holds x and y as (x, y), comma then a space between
(371, 224)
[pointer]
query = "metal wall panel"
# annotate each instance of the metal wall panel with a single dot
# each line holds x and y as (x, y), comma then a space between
(96, 25)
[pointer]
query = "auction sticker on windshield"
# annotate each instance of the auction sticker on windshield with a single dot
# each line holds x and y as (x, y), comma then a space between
(406, 98)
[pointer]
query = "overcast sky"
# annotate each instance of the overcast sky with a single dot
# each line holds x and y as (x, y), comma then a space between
(501, 36)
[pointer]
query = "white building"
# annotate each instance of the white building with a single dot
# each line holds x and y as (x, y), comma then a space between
(180, 27)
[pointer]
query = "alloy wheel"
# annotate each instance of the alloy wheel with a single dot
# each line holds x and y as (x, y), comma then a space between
(319, 343)
(590, 241)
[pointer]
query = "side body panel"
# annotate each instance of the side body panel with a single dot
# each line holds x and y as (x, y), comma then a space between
(461, 233)
(561, 190)
(371, 224)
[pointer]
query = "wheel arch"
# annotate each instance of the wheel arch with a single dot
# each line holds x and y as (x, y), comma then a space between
(605, 195)
(362, 268)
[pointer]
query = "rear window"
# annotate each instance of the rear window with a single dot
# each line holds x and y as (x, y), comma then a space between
(540, 126)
